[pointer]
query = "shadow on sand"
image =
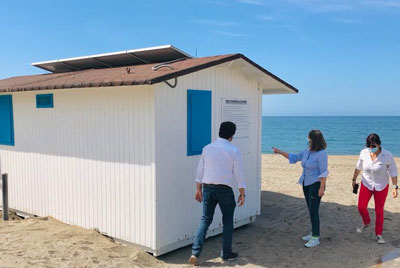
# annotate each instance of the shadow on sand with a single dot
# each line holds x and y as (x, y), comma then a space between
(274, 239)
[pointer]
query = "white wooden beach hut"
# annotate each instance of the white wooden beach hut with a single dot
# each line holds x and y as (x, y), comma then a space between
(112, 141)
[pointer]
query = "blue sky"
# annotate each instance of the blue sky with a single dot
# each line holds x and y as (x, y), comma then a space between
(343, 55)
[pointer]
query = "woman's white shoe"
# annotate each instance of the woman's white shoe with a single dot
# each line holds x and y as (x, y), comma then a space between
(307, 237)
(362, 228)
(380, 239)
(312, 243)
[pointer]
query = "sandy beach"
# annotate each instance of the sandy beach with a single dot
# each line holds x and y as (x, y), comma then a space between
(274, 240)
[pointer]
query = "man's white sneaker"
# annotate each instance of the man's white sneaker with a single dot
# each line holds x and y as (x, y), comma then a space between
(307, 237)
(380, 239)
(312, 243)
(362, 228)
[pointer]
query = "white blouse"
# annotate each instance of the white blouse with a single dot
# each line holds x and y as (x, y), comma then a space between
(376, 173)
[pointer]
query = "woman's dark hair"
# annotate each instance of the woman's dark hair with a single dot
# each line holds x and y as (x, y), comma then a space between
(227, 130)
(373, 139)
(317, 140)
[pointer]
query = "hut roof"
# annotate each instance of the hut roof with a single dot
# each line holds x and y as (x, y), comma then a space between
(145, 74)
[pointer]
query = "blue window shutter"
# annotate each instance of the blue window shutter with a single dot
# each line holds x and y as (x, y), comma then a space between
(6, 120)
(44, 101)
(198, 121)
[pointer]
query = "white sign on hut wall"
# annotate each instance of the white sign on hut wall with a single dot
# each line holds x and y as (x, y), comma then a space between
(237, 111)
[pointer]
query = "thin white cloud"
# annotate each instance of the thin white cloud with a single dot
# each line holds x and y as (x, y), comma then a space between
(383, 3)
(328, 8)
(252, 2)
(230, 34)
(324, 6)
(215, 22)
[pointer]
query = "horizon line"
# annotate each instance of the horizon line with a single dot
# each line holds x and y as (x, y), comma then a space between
(330, 115)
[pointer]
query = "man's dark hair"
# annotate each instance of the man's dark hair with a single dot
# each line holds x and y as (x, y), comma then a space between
(317, 140)
(227, 130)
(373, 139)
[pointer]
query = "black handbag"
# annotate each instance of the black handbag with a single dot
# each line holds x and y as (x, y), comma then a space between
(355, 188)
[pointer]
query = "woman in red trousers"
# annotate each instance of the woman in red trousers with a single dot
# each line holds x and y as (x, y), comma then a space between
(377, 165)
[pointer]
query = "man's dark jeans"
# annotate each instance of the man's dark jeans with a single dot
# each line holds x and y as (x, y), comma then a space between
(213, 195)
(313, 201)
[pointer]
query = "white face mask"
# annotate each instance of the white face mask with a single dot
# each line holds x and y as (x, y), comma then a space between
(373, 150)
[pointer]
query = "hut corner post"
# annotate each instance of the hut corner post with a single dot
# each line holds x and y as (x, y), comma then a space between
(4, 184)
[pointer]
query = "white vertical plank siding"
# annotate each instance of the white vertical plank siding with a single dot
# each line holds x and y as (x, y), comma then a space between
(89, 161)
(178, 214)
(114, 158)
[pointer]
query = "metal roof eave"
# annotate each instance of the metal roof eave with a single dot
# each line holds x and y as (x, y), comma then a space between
(282, 86)
(274, 91)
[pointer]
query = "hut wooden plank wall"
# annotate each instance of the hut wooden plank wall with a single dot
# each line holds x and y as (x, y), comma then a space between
(112, 152)
(176, 171)
(89, 161)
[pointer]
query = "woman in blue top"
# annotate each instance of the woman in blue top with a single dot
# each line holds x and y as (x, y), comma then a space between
(314, 161)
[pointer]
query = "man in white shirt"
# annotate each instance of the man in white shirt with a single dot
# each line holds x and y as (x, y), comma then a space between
(219, 168)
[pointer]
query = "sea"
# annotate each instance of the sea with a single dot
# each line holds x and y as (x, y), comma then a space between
(344, 135)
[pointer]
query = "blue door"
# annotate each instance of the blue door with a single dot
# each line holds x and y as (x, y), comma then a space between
(198, 121)
(6, 120)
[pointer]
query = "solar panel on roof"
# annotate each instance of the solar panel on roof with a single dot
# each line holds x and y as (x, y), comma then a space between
(115, 59)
